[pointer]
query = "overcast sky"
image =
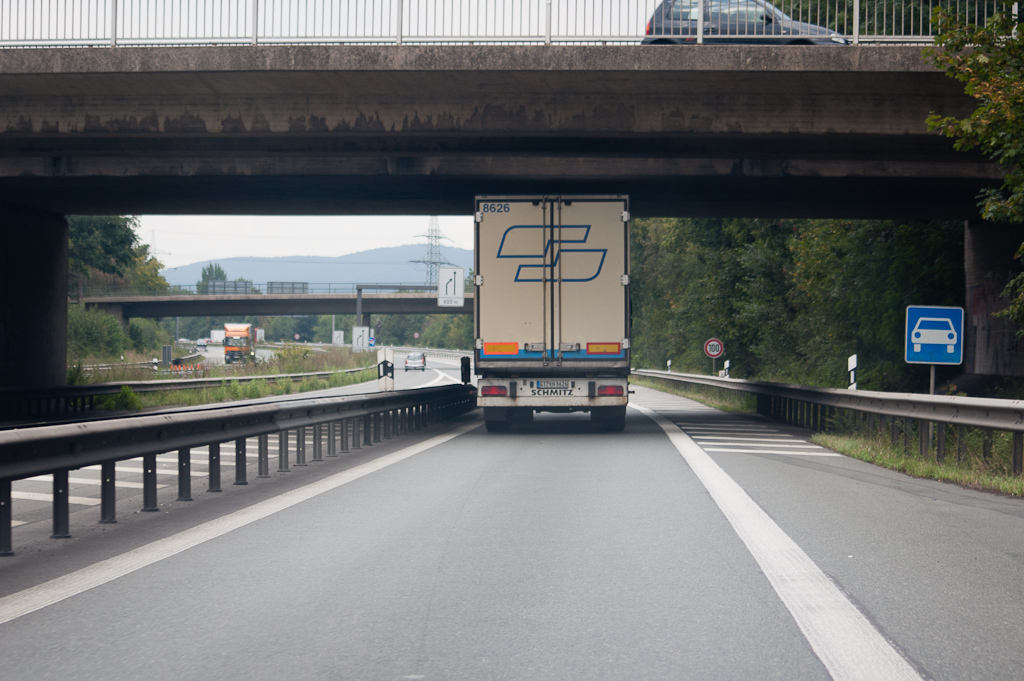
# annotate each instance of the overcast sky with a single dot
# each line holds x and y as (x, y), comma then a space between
(185, 239)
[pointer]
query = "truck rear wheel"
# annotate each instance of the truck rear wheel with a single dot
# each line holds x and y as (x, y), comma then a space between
(609, 419)
(497, 426)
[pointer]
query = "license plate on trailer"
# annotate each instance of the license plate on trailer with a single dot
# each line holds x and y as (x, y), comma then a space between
(552, 384)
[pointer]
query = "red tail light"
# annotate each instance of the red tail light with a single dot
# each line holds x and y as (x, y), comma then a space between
(650, 25)
(609, 390)
(496, 391)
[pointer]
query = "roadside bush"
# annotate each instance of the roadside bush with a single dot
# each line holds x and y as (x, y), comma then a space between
(146, 334)
(92, 333)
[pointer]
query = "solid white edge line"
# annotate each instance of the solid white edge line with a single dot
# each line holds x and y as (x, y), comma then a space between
(842, 637)
(42, 595)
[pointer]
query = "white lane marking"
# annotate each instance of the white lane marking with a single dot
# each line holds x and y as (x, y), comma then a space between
(90, 481)
(37, 597)
(39, 496)
(15, 523)
(137, 470)
(440, 377)
(769, 442)
(786, 452)
(841, 636)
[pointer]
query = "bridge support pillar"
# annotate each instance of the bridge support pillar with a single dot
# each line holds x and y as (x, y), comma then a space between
(34, 305)
(991, 343)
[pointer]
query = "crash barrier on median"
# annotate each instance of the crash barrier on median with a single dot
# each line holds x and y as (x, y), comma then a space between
(16, 404)
(340, 423)
(454, 355)
(902, 415)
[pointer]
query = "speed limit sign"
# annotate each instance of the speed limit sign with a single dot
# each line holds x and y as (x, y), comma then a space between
(714, 348)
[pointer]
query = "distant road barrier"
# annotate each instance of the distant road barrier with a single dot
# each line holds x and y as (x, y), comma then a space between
(819, 408)
(69, 400)
(339, 422)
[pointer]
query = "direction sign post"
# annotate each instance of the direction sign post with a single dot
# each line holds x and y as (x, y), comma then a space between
(714, 349)
(451, 287)
(360, 337)
(934, 335)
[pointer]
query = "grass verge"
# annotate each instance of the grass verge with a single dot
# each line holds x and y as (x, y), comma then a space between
(974, 470)
(719, 398)
(232, 390)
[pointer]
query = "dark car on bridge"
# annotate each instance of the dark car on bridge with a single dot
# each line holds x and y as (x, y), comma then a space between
(675, 22)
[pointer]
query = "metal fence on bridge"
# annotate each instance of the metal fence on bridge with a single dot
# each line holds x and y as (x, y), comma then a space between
(77, 23)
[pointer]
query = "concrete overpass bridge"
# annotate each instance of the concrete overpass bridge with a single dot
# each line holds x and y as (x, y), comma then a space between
(365, 306)
(729, 130)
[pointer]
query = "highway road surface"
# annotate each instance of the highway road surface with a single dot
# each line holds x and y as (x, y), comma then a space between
(694, 545)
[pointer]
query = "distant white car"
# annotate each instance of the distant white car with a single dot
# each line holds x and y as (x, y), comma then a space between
(415, 360)
(933, 331)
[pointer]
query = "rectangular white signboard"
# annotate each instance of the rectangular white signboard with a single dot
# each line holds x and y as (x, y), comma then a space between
(451, 287)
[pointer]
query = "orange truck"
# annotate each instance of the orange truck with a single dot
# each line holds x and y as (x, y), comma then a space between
(239, 343)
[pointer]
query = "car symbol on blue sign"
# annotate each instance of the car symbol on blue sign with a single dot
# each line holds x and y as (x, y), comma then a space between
(934, 335)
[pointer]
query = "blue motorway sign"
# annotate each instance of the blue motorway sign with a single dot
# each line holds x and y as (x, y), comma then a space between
(934, 335)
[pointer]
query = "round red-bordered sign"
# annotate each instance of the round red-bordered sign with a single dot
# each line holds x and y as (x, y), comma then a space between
(714, 348)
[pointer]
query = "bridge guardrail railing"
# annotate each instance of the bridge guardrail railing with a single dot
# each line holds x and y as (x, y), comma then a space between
(340, 423)
(230, 22)
(819, 408)
(79, 399)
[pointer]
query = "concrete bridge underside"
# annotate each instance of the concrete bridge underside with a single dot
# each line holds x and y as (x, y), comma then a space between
(720, 130)
(311, 304)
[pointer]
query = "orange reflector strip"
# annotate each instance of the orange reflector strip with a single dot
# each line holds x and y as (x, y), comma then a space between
(501, 348)
(604, 348)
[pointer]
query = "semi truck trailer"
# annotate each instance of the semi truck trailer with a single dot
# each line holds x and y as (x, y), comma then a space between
(552, 313)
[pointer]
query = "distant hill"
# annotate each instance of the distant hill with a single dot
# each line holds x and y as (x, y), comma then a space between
(377, 266)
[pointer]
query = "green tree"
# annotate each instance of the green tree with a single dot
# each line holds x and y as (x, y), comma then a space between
(989, 60)
(212, 272)
(100, 243)
(144, 272)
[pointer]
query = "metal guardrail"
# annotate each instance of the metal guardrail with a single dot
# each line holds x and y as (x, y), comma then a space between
(72, 23)
(352, 421)
(80, 399)
(816, 408)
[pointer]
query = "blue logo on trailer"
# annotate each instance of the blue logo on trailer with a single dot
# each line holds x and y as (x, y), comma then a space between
(520, 241)
(934, 335)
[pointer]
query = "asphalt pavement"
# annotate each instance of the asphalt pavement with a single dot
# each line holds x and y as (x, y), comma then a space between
(694, 545)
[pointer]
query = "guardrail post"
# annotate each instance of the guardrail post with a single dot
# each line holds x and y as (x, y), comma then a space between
(108, 494)
(367, 430)
(940, 442)
(357, 442)
(113, 23)
(318, 442)
(61, 507)
(398, 40)
(214, 467)
(389, 417)
(961, 443)
(893, 431)
(332, 439)
(184, 474)
(1018, 453)
(149, 503)
(396, 417)
(300, 446)
(856, 22)
(263, 447)
(344, 436)
(923, 445)
(986, 444)
(6, 545)
(282, 451)
(255, 21)
(377, 427)
(240, 462)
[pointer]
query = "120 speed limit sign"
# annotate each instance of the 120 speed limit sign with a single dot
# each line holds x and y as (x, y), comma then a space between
(714, 348)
